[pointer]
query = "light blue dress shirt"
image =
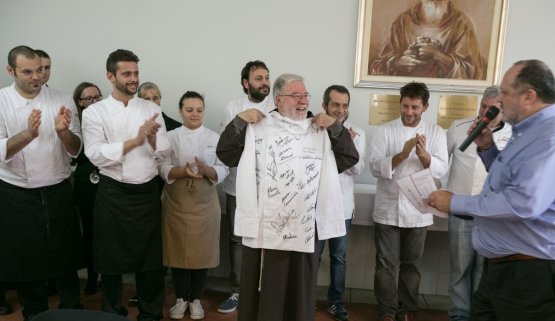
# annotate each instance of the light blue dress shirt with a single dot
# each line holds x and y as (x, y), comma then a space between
(515, 213)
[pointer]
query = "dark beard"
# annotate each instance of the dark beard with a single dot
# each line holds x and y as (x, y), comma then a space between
(124, 89)
(256, 95)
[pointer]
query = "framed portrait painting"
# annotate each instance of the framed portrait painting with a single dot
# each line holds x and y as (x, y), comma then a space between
(451, 45)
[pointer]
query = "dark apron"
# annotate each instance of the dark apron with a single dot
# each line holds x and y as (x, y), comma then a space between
(39, 232)
(127, 235)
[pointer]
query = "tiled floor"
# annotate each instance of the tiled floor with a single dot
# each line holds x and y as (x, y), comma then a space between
(357, 311)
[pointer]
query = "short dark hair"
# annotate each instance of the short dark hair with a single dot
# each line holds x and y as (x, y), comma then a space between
(251, 66)
(339, 89)
(190, 94)
(535, 74)
(117, 56)
(79, 90)
(25, 51)
(416, 90)
(42, 53)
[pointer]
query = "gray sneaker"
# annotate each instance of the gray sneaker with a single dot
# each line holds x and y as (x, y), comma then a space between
(230, 304)
(339, 312)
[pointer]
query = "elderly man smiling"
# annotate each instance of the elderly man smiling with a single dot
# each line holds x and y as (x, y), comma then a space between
(287, 172)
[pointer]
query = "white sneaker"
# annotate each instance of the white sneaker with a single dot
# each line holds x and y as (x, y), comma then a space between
(197, 313)
(178, 310)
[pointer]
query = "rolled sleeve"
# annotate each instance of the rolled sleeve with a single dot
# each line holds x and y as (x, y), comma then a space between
(4, 151)
(164, 172)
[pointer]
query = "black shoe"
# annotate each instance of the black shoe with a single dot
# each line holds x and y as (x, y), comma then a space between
(5, 307)
(123, 312)
(51, 287)
(91, 287)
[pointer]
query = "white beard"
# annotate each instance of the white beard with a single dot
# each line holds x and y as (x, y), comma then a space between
(433, 11)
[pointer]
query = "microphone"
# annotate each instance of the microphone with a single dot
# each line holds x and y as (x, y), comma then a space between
(491, 113)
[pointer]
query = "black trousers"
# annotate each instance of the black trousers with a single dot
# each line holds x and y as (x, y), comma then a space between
(42, 227)
(515, 291)
(189, 283)
(85, 193)
(150, 290)
(34, 298)
(235, 244)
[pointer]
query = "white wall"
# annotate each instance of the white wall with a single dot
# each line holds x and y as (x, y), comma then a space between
(203, 44)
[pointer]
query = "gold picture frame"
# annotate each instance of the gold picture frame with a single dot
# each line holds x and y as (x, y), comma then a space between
(461, 52)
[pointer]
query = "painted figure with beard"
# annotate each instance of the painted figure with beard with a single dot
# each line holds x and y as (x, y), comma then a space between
(401, 147)
(287, 170)
(432, 39)
(255, 80)
(126, 139)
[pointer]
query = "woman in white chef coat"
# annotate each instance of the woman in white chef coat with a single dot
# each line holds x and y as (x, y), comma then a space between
(190, 206)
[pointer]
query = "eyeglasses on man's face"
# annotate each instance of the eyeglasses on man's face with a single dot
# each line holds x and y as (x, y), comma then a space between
(90, 99)
(298, 96)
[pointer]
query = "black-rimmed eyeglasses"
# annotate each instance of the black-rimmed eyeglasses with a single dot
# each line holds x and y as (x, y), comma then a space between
(90, 99)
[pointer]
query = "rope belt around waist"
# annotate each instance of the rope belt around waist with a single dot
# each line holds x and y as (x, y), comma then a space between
(512, 258)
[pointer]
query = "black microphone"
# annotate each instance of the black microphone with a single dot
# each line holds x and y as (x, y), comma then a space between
(491, 113)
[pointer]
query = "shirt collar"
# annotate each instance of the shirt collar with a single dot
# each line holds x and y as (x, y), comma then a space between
(115, 101)
(528, 123)
(187, 131)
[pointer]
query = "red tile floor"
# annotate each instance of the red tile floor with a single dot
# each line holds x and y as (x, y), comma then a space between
(357, 311)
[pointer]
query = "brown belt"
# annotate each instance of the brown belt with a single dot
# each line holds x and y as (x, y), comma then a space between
(511, 258)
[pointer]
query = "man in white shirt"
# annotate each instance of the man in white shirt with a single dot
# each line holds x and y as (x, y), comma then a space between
(466, 177)
(126, 139)
(46, 65)
(336, 104)
(288, 163)
(255, 80)
(39, 133)
(399, 148)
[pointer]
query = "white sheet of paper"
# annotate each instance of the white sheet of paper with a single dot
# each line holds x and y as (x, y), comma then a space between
(417, 187)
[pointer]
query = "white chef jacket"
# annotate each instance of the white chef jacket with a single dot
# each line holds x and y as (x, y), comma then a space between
(44, 161)
(346, 179)
(289, 181)
(390, 206)
(464, 173)
(107, 124)
(231, 110)
(186, 144)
